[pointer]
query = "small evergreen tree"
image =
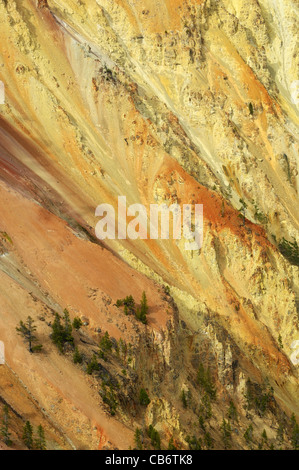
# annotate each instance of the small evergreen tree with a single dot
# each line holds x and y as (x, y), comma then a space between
(27, 330)
(171, 445)
(28, 435)
(106, 343)
(62, 333)
(68, 338)
(77, 356)
(232, 413)
(137, 439)
(155, 437)
(77, 323)
(58, 336)
(280, 342)
(144, 398)
(204, 379)
(109, 397)
(93, 365)
(40, 441)
(5, 426)
(144, 306)
(295, 433)
(248, 435)
(226, 434)
(184, 399)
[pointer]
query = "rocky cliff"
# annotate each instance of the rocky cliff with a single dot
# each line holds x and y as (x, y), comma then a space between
(182, 101)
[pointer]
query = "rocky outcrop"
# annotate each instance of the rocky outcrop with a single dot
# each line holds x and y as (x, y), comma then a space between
(188, 101)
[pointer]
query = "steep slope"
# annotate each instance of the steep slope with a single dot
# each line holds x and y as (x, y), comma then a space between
(188, 101)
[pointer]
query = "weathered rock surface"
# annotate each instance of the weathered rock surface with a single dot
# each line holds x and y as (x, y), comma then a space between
(188, 101)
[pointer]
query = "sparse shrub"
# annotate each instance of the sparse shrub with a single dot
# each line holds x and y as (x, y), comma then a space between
(62, 334)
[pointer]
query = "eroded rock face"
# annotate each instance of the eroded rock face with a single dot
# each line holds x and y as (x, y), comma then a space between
(183, 101)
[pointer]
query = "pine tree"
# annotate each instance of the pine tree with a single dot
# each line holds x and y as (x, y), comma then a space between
(68, 338)
(141, 314)
(77, 323)
(137, 439)
(77, 356)
(28, 435)
(232, 412)
(26, 330)
(106, 343)
(144, 398)
(184, 399)
(248, 435)
(5, 426)
(93, 365)
(40, 442)
(226, 434)
(58, 336)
